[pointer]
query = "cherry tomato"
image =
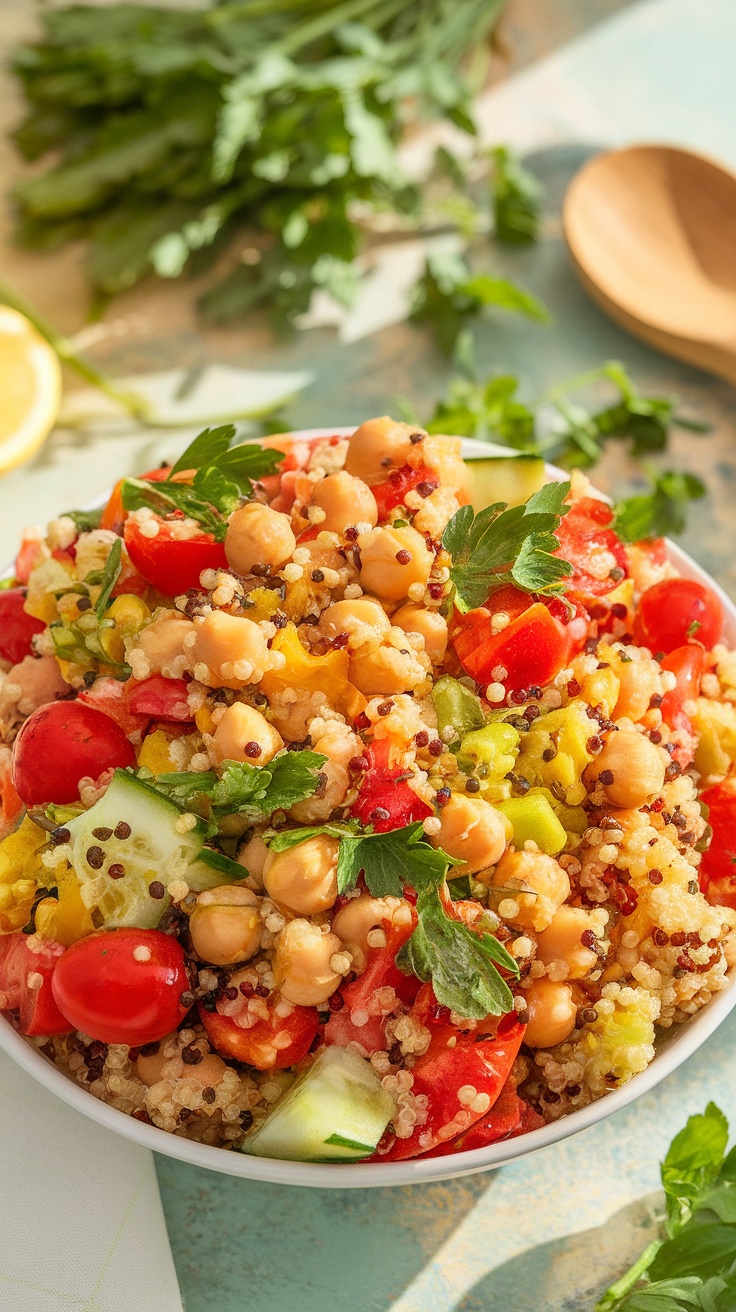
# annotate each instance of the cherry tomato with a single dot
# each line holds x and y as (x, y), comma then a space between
(393, 492)
(114, 514)
(478, 1058)
(532, 649)
(123, 985)
(112, 697)
(675, 611)
(381, 972)
(160, 698)
(687, 664)
(583, 535)
(385, 799)
(34, 1001)
(62, 743)
(16, 626)
(173, 565)
(256, 1046)
(717, 872)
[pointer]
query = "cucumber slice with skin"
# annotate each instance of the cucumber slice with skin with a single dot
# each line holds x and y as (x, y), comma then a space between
(512, 479)
(336, 1112)
(155, 852)
(211, 869)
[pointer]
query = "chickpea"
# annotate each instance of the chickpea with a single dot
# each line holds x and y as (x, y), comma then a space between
(473, 832)
(363, 619)
(241, 731)
(392, 560)
(387, 670)
(552, 1013)
(207, 1072)
(562, 941)
(378, 446)
(536, 883)
(345, 500)
(304, 878)
(225, 925)
(630, 768)
(253, 855)
(639, 680)
(233, 649)
(429, 623)
(301, 965)
(161, 645)
(340, 745)
(355, 920)
(258, 535)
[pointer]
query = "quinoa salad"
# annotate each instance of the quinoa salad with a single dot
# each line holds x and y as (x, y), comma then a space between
(358, 801)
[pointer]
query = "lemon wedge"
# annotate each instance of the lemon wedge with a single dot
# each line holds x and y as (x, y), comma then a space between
(30, 389)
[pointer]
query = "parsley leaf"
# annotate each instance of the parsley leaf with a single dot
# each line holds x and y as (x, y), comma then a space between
(165, 498)
(661, 511)
(253, 791)
(448, 296)
(85, 520)
(517, 198)
(389, 861)
(206, 449)
(503, 545)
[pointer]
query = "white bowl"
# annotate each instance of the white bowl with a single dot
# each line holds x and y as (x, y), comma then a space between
(672, 1050)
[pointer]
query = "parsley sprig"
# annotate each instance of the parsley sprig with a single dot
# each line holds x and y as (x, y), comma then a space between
(507, 545)
(223, 474)
(253, 791)
(517, 198)
(461, 963)
(692, 1268)
(448, 296)
(660, 511)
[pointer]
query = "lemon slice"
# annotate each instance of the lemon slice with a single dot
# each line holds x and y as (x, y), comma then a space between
(30, 389)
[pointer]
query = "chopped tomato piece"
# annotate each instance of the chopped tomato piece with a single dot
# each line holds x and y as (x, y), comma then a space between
(717, 872)
(27, 558)
(173, 565)
(26, 967)
(688, 665)
(394, 491)
(160, 698)
(674, 612)
(586, 542)
(385, 799)
(532, 649)
(10, 803)
(17, 627)
(271, 1044)
(360, 998)
(480, 1059)
(509, 1116)
(111, 697)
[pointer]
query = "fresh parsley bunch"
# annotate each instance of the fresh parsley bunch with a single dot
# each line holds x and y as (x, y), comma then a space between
(692, 1268)
(462, 964)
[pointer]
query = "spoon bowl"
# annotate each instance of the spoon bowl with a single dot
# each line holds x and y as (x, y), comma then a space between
(652, 233)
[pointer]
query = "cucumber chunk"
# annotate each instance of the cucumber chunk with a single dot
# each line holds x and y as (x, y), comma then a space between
(512, 479)
(335, 1112)
(155, 851)
(211, 869)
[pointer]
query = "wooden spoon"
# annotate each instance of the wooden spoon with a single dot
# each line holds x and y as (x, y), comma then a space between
(652, 232)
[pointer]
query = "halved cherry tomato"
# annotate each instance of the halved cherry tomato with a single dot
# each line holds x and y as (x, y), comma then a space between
(687, 664)
(123, 985)
(160, 698)
(480, 1059)
(393, 492)
(114, 514)
(585, 533)
(532, 649)
(717, 874)
(16, 626)
(359, 996)
(675, 611)
(256, 1046)
(173, 565)
(62, 743)
(385, 799)
(25, 983)
(112, 697)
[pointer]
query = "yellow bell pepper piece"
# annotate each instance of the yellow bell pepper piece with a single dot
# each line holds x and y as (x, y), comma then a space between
(602, 687)
(264, 602)
(568, 731)
(67, 919)
(203, 720)
(154, 754)
(715, 724)
(327, 674)
(129, 613)
(20, 869)
(47, 579)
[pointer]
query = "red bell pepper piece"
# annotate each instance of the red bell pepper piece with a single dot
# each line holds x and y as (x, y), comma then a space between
(393, 492)
(717, 874)
(385, 799)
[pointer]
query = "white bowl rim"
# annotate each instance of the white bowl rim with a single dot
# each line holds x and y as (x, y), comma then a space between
(672, 1053)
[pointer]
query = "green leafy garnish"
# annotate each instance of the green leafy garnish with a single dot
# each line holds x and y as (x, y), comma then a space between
(517, 198)
(462, 964)
(108, 577)
(448, 296)
(253, 791)
(85, 520)
(661, 511)
(693, 1265)
(507, 545)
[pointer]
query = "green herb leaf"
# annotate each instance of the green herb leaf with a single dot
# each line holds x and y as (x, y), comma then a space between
(502, 545)
(253, 791)
(217, 489)
(447, 297)
(164, 498)
(109, 577)
(389, 861)
(661, 511)
(693, 1161)
(85, 520)
(206, 449)
(517, 198)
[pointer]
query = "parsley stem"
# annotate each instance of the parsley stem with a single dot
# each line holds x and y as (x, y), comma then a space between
(616, 1292)
(130, 401)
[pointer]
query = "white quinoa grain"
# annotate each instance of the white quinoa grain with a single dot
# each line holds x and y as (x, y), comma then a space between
(141, 953)
(495, 692)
